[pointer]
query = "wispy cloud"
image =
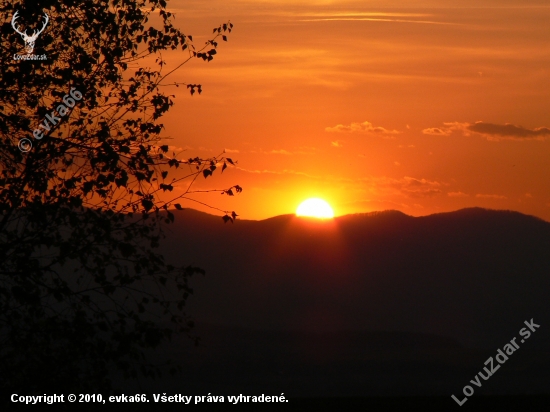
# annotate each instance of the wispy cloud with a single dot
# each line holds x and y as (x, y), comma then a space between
(483, 196)
(376, 204)
(301, 151)
(491, 131)
(416, 188)
(363, 128)
(280, 151)
(278, 172)
(457, 194)
(173, 148)
(509, 130)
(396, 17)
(350, 18)
(447, 129)
(364, 14)
(381, 187)
(407, 186)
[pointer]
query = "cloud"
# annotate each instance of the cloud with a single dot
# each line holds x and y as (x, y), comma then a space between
(374, 204)
(377, 186)
(337, 143)
(412, 187)
(378, 19)
(491, 131)
(279, 172)
(482, 196)
(436, 131)
(231, 151)
(281, 151)
(363, 128)
(307, 151)
(172, 148)
(509, 130)
(448, 129)
(457, 194)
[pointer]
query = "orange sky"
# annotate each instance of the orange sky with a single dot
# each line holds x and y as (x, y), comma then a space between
(370, 105)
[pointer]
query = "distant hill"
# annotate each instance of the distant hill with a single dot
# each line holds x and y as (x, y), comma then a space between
(473, 275)
(378, 304)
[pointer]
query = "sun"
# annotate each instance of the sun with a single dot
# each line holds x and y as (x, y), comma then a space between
(315, 208)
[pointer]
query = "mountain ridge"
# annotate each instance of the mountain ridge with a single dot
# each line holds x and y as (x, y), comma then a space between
(471, 211)
(362, 305)
(474, 275)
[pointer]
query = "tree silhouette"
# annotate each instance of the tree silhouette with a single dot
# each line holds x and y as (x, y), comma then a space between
(82, 288)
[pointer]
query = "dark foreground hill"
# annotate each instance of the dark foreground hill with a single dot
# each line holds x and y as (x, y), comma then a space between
(365, 305)
(474, 275)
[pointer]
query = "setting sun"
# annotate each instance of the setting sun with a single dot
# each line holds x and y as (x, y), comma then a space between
(315, 208)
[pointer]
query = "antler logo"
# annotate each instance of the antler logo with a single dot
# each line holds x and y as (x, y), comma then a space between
(29, 40)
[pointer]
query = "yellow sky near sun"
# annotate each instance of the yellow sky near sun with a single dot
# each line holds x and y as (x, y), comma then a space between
(370, 105)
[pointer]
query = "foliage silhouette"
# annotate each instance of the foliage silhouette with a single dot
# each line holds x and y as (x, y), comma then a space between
(82, 289)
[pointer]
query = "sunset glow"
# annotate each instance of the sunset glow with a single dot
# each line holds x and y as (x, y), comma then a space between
(315, 208)
(323, 204)
(408, 105)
